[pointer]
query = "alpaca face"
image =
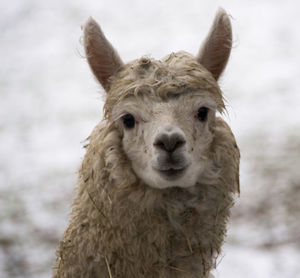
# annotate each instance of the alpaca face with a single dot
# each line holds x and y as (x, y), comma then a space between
(167, 141)
(165, 109)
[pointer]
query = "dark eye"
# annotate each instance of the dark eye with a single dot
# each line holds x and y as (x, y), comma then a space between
(128, 121)
(202, 113)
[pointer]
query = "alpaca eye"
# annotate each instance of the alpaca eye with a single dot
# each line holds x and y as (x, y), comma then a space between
(128, 121)
(202, 113)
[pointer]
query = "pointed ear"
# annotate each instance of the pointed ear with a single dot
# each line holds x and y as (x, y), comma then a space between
(102, 58)
(215, 51)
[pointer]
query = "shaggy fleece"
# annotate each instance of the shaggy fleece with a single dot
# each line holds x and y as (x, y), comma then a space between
(120, 227)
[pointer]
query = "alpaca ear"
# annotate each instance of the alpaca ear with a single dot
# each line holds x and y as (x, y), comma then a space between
(102, 58)
(215, 50)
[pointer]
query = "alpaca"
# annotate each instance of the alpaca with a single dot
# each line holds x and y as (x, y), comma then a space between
(161, 169)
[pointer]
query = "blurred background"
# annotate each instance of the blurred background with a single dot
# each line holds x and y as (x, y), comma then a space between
(49, 103)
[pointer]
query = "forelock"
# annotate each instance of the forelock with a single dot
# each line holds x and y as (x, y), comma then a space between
(175, 74)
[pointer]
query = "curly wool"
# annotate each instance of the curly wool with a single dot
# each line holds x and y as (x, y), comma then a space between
(121, 227)
(124, 228)
(177, 73)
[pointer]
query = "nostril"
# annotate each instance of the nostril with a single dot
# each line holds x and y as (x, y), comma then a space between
(179, 144)
(159, 145)
(169, 143)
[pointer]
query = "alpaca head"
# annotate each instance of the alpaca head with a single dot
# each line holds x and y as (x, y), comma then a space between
(165, 111)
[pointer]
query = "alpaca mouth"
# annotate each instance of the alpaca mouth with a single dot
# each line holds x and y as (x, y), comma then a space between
(172, 174)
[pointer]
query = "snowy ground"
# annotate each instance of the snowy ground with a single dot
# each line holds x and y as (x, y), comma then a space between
(50, 103)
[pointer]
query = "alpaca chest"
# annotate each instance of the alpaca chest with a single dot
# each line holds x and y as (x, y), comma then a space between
(168, 239)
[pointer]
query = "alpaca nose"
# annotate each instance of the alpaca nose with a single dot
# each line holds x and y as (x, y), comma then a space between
(169, 141)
